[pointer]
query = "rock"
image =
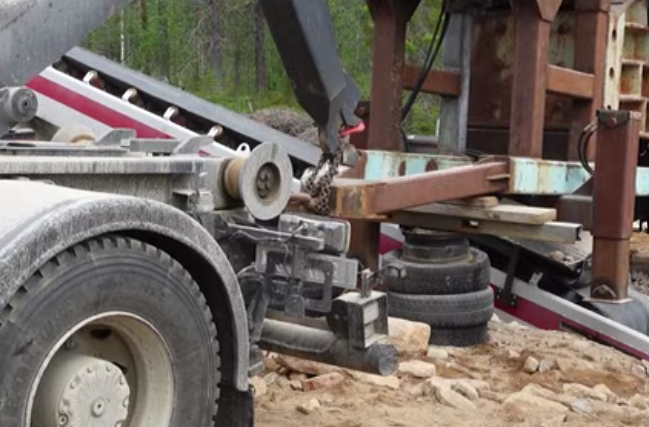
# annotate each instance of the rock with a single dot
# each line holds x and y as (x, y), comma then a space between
(283, 383)
(296, 385)
(259, 386)
(270, 364)
(437, 353)
(645, 363)
(271, 378)
(323, 382)
(391, 382)
(491, 395)
(416, 390)
(453, 399)
(582, 406)
(557, 421)
(531, 365)
(476, 384)
(417, 369)
(410, 338)
(305, 366)
(537, 390)
(309, 407)
(496, 319)
(466, 390)
(296, 376)
(639, 402)
(610, 396)
(581, 391)
(547, 365)
(511, 354)
(639, 371)
(527, 401)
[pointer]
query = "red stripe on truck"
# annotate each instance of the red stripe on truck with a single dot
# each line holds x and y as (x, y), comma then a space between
(91, 108)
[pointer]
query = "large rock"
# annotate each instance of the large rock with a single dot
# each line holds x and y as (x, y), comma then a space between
(308, 407)
(528, 402)
(581, 391)
(391, 382)
(417, 369)
(451, 398)
(410, 338)
(610, 396)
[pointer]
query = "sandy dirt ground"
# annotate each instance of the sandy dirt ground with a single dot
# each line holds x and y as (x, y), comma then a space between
(522, 377)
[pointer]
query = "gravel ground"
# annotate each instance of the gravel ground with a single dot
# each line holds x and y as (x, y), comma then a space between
(522, 377)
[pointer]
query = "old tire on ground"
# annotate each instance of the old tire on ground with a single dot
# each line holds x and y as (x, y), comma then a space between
(471, 274)
(460, 337)
(444, 311)
(113, 331)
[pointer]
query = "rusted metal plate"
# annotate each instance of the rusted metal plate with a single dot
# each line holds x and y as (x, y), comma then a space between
(492, 69)
(440, 82)
(371, 199)
(568, 82)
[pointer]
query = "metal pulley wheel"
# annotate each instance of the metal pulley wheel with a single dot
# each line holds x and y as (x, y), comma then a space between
(76, 134)
(262, 181)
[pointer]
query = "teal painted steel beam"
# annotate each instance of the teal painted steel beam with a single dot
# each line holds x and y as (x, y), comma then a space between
(528, 176)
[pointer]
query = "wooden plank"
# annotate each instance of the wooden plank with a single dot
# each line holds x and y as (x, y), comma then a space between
(475, 202)
(440, 82)
(504, 213)
(556, 232)
(563, 81)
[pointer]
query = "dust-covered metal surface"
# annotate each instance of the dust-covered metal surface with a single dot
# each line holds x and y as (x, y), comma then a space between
(35, 33)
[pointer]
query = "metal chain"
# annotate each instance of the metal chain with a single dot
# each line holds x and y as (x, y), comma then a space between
(320, 190)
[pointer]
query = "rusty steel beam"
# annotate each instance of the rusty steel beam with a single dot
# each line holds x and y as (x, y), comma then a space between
(439, 82)
(563, 81)
(591, 34)
(361, 199)
(533, 24)
(388, 47)
(614, 202)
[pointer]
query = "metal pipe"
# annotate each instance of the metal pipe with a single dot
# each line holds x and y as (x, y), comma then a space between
(325, 347)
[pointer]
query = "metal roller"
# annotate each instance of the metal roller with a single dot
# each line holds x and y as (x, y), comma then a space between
(262, 181)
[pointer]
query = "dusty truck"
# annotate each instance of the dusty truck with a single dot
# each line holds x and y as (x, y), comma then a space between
(136, 274)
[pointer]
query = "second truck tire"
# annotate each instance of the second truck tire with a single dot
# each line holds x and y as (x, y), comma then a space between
(470, 274)
(444, 311)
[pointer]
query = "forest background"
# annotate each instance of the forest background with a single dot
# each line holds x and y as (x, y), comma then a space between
(222, 51)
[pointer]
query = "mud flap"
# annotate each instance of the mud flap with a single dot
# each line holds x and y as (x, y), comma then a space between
(236, 408)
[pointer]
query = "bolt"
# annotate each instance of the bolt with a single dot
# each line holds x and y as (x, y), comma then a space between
(70, 344)
(63, 419)
(563, 28)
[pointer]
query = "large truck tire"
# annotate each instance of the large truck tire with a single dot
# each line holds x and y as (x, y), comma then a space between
(470, 274)
(110, 332)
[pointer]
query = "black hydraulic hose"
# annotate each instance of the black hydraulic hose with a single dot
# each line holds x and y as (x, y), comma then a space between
(441, 27)
(582, 146)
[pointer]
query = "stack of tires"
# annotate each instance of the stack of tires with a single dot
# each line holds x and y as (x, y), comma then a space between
(438, 279)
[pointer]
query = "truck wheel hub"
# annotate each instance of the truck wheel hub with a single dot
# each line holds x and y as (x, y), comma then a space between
(84, 391)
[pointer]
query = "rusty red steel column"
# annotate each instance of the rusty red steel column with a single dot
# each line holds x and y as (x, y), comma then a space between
(384, 131)
(614, 202)
(388, 52)
(591, 33)
(533, 23)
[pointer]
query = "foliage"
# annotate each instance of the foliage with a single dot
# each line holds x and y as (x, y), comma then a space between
(215, 49)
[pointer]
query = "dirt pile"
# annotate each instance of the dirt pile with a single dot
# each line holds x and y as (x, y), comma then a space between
(289, 122)
(522, 377)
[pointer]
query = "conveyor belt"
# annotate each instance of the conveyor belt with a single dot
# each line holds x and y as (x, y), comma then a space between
(185, 109)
